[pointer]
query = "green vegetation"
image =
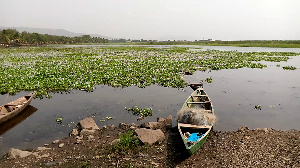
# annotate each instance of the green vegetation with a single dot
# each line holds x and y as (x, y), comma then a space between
(258, 107)
(289, 68)
(208, 80)
(13, 37)
(127, 141)
(140, 112)
(47, 69)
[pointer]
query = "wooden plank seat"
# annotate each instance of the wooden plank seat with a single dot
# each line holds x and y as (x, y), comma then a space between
(199, 95)
(206, 102)
(6, 105)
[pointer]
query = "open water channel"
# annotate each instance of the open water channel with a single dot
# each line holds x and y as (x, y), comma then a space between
(234, 93)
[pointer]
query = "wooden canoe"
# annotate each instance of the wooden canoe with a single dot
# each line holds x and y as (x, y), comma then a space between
(197, 100)
(11, 109)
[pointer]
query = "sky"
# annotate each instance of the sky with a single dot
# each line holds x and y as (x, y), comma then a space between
(160, 19)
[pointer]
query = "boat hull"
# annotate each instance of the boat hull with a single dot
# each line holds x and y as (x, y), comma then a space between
(12, 109)
(200, 101)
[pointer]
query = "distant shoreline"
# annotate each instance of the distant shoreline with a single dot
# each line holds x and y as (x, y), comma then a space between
(262, 43)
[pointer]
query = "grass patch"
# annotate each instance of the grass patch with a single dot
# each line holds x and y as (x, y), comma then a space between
(127, 141)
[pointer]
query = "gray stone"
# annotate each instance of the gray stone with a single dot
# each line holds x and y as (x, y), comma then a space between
(43, 148)
(168, 121)
(150, 136)
(86, 132)
(159, 119)
(133, 127)
(56, 141)
(243, 129)
(152, 125)
(124, 126)
(114, 141)
(61, 145)
(17, 153)
(74, 132)
(88, 124)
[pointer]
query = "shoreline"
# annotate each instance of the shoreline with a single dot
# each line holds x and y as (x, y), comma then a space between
(259, 148)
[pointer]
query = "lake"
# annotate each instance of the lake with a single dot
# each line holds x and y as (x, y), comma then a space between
(234, 93)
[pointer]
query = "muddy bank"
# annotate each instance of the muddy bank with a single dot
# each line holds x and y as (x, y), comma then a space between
(241, 148)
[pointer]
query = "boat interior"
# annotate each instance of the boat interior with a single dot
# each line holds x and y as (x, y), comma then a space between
(9, 107)
(193, 130)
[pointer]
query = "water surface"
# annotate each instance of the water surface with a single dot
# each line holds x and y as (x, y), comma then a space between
(234, 93)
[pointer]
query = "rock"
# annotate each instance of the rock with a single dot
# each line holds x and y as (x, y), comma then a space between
(86, 132)
(267, 129)
(55, 141)
(109, 127)
(133, 126)
(91, 138)
(74, 132)
(42, 156)
(43, 148)
(88, 124)
(168, 121)
(150, 136)
(159, 119)
(124, 126)
(61, 145)
(243, 128)
(79, 137)
(17, 153)
(114, 141)
(152, 125)
(51, 164)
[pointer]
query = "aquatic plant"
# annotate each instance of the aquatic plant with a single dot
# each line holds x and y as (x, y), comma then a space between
(289, 68)
(208, 80)
(48, 69)
(140, 112)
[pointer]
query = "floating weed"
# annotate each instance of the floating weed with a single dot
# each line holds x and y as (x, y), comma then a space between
(48, 70)
(108, 118)
(257, 107)
(59, 120)
(141, 112)
(289, 68)
(208, 80)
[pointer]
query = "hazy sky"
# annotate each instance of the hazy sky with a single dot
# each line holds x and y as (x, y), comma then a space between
(160, 19)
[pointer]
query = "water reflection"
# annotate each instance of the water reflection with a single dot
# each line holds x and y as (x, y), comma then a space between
(6, 126)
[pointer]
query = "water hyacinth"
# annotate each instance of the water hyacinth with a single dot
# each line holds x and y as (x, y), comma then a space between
(63, 69)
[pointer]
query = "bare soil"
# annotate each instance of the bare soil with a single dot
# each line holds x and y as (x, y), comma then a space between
(242, 148)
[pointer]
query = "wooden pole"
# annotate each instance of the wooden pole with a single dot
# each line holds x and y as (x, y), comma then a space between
(5, 102)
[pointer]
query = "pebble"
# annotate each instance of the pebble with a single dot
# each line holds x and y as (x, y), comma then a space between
(61, 145)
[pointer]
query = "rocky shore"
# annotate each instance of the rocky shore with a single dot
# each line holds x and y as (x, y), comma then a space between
(157, 144)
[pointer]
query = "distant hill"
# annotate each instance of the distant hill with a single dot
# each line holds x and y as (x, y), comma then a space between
(57, 32)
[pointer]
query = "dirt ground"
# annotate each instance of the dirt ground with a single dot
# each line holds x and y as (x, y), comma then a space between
(241, 148)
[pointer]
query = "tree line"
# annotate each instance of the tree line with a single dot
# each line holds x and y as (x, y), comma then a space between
(13, 37)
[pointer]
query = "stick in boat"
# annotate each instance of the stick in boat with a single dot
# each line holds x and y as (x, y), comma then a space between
(5, 101)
